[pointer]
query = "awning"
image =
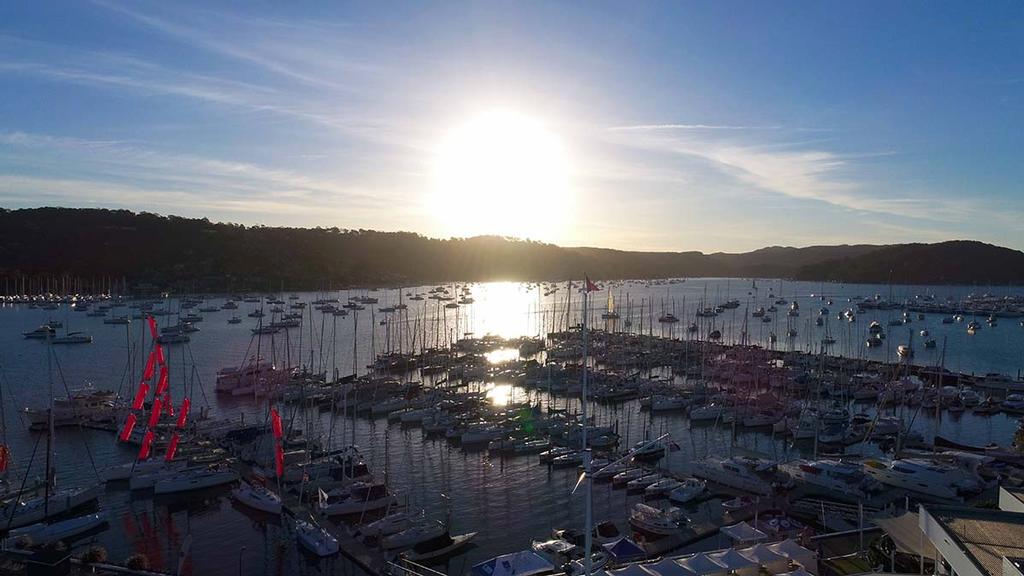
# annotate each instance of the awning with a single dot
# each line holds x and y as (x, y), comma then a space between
(743, 532)
(906, 535)
(625, 549)
(702, 565)
(522, 563)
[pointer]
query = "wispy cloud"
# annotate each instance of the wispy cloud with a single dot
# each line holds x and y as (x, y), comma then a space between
(667, 127)
(208, 30)
(791, 169)
(159, 176)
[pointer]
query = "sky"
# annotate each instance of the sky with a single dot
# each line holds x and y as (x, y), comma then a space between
(712, 126)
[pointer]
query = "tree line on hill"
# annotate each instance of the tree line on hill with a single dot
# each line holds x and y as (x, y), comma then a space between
(195, 254)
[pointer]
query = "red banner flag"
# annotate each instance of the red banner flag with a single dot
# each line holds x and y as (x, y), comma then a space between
(150, 366)
(279, 459)
(183, 412)
(140, 396)
(161, 384)
(129, 425)
(154, 415)
(172, 447)
(160, 355)
(275, 423)
(147, 444)
(152, 327)
(168, 405)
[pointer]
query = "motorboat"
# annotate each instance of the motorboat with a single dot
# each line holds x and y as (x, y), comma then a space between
(80, 407)
(42, 333)
(72, 338)
(748, 474)
(688, 490)
(834, 477)
(923, 476)
(661, 487)
(655, 522)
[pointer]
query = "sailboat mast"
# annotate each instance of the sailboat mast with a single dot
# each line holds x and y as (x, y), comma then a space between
(588, 523)
(49, 431)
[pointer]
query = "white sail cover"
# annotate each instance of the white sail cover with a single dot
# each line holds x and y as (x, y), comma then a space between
(743, 533)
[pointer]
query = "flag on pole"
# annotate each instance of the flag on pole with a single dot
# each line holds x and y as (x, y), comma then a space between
(591, 287)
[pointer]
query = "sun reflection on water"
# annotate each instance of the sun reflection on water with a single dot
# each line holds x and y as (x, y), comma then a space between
(502, 355)
(506, 309)
(500, 395)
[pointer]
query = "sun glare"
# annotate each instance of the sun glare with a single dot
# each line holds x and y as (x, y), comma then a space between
(501, 173)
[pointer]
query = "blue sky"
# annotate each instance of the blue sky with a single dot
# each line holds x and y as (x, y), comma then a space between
(688, 126)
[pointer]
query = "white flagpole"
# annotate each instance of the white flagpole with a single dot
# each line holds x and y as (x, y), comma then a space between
(588, 534)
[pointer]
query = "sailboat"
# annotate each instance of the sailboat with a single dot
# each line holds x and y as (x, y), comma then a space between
(17, 513)
(610, 313)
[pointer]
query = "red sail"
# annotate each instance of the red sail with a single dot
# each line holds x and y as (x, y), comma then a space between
(147, 443)
(150, 366)
(275, 422)
(279, 459)
(154, 416)
(152, 327)
(172, 447)
(140, 396)
(183, 412)
(129, 425)
(161, 384)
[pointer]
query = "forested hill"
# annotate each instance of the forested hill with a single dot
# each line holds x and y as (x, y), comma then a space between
(173, 252)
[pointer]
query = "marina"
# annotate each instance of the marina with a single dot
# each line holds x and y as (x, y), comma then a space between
(451, 435)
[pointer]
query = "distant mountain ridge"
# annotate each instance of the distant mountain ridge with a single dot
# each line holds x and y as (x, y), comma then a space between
(196, 254)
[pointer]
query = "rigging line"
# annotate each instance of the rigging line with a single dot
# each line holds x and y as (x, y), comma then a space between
(197, 378)
(74, 411)
(24, 481)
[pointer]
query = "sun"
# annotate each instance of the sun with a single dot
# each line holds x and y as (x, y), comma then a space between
(501, 173)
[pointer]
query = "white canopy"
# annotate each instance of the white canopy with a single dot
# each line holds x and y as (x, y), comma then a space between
(701, 564)
(736, 562)
(743, 533)
(630, 570)
(667, 567)
(522, 563)
(772, 561)
(797, 553)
